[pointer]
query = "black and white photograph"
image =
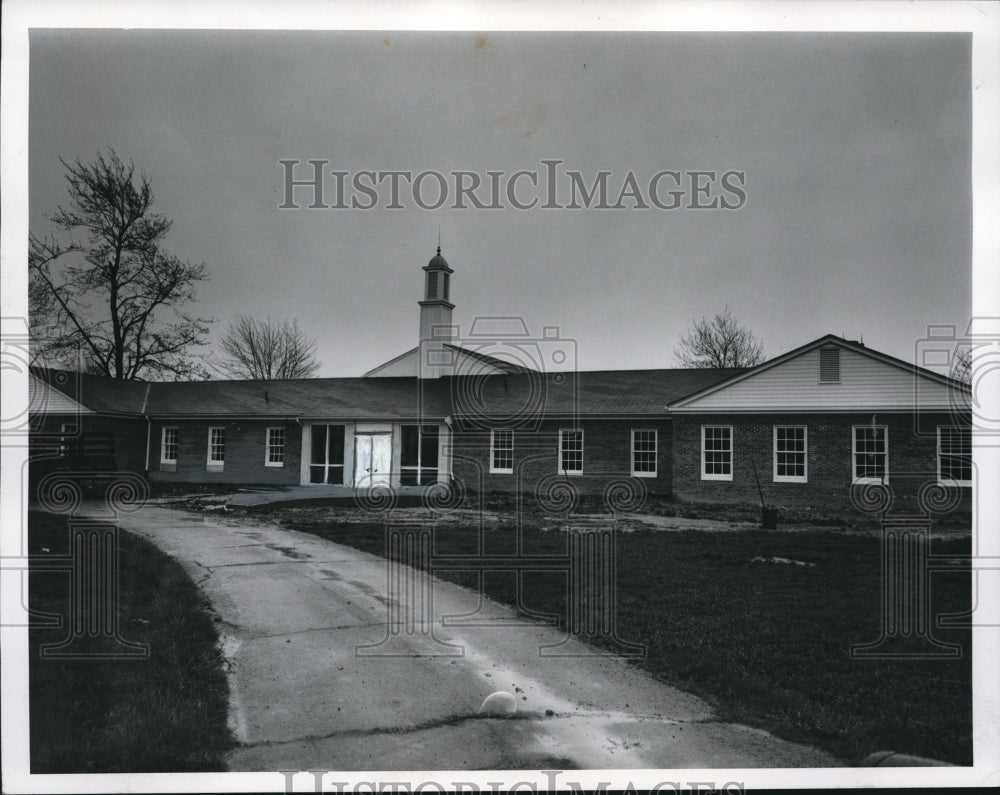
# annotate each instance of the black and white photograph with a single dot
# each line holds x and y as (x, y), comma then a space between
(488, 397)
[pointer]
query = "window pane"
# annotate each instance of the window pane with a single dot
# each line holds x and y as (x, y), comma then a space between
(717, 450)
(503, 449)
(644, 451)
(335, 475)
(335, 444)
(572, 451)
(429, 447)
(870, 445)
(275, 445)
(956, 453)
(318, 454)
(790, 452)
(409, 445)
(217, 445)
(169, 452)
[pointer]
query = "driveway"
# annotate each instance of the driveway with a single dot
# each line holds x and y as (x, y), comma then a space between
(319, 680)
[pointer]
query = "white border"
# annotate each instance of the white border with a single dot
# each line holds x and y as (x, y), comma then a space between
(163, 444)
(774, 456)
(210, 463)
(267, 446)
(501, 470)
(962, 484)
(570, 472)
(854, 451)
(656, 452)
(979, 18)
(732, 453)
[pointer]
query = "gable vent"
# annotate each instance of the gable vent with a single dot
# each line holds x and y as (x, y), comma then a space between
(829, 365)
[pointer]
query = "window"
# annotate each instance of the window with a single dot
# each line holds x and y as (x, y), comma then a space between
(418, 455)
(829, 365)
(571, 452)
(716, 452)
(954, 447)
(326, 456)
(168, 446)
(502, 452)
(644, 453)
(216, 448)
(432, 285)
(67, 431)
(789, 454)
(871, 453)
(275, 448)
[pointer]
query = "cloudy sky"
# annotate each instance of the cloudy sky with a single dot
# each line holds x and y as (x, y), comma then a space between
(854, 150)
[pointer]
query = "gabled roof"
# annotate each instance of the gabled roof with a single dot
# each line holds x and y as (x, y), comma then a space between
(44, 399)
(492, 361)
(588, 393)
(823, 342)
(483, 358)
(97, 392)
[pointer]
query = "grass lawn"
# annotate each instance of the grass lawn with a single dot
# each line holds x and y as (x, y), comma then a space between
(163, 713)
(766, 643)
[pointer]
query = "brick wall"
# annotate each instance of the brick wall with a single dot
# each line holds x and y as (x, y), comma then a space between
(912, 459)
(129, 437)
(244, 453)
(607, 448)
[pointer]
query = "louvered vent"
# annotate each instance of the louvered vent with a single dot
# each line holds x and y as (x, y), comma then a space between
(829, 365)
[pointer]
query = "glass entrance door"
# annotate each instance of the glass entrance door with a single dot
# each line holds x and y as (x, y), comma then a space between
(372, 459)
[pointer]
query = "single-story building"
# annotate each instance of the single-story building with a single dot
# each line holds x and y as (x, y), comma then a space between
(807, 428)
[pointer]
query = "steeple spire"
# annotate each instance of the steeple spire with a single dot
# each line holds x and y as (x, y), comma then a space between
(436, 329)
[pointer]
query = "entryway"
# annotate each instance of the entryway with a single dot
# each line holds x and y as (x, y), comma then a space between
(372, 459)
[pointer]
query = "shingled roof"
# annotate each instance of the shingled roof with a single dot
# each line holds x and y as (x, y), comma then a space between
(331, 398)
(593, 393)
(97, 392)
(587, 393)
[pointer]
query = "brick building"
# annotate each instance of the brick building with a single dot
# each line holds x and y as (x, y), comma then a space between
(494, 413)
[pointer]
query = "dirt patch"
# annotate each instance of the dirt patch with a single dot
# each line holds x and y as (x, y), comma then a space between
(658, 515)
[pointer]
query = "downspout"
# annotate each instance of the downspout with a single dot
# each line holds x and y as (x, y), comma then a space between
(149, 427)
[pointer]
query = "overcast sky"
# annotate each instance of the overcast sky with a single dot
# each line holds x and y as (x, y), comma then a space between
(855, 151)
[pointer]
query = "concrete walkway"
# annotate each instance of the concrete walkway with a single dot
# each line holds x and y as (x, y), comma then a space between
(314, 684)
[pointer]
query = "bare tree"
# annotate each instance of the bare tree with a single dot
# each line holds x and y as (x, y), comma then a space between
(961, 366)
(103, 290)
(267, 350)
(719, 342)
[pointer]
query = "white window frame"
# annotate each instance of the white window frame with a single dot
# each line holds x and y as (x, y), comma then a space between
(854, 452)
(804, 477)
(562, 469)
(493, 450)
(211, 463)
(656, 453)
(163, 444)
(715, 476)
(949, 482)
(268, 445)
